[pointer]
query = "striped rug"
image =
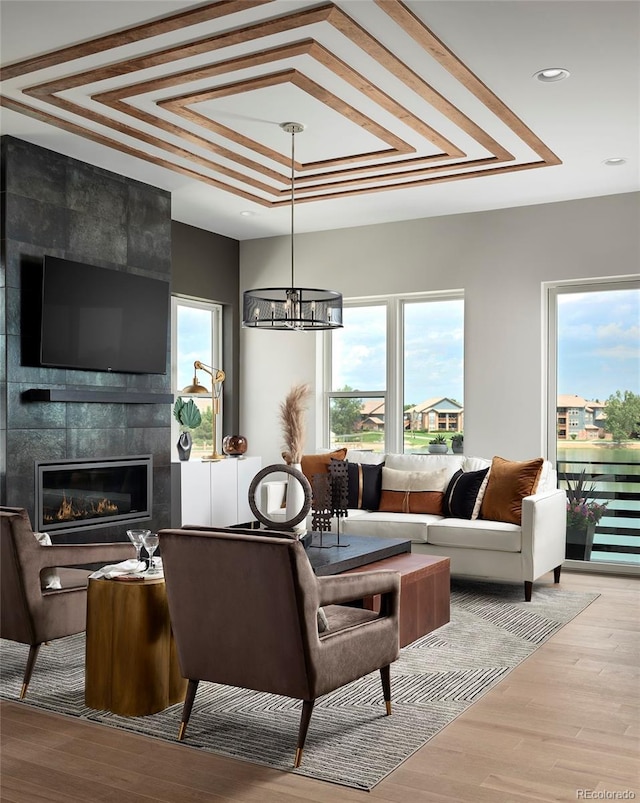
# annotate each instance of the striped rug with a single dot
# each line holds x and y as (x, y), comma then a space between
(350, 740)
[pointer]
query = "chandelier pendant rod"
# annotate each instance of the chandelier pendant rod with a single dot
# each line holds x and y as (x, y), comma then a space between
(293, 202)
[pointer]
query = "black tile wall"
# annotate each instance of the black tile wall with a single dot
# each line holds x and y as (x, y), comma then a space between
(52, 204)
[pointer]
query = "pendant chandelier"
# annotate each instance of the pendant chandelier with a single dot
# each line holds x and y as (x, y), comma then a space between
(292, 308)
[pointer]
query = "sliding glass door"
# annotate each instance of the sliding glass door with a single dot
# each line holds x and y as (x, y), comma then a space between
(594, 416)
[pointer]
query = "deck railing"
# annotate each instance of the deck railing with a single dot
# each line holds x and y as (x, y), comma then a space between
(617, 535)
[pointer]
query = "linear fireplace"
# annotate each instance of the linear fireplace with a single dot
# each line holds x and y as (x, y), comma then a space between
(93, 493)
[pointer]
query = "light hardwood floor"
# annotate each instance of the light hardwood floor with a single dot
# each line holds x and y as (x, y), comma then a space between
(567, 719)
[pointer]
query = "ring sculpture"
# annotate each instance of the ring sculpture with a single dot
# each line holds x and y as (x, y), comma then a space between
(278, 469)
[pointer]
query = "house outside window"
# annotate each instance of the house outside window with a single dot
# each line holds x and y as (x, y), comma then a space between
(394, 373)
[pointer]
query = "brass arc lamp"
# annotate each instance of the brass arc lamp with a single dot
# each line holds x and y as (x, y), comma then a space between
(217, 378)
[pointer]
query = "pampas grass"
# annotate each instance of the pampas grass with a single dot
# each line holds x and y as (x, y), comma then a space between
(292, 418)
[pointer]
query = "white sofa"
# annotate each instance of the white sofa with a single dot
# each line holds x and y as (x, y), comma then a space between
(478, 548)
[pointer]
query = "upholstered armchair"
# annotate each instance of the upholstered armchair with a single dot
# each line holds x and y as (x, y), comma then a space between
(244, 612)
(30, 612)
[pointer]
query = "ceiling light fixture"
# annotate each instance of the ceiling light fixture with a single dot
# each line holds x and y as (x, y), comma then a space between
(292, 308)
(551, 74)
(614, 161)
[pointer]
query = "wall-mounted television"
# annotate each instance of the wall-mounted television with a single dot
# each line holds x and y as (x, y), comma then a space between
(97, 319)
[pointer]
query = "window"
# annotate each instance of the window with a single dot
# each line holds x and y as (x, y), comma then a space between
(394, 373)
(196, 335)
(594, 362)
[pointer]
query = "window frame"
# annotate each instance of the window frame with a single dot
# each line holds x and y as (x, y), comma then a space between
(215, 309)
(393, 393)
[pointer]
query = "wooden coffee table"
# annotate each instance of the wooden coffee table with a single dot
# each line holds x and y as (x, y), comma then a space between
(424, 592)
(131, 662)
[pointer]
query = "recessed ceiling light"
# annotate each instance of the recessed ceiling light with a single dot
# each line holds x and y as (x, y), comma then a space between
(614, 161)
(246, 213)
(551, 74)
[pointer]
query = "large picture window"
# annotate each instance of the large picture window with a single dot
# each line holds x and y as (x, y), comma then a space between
(196, 335)
(394, 374)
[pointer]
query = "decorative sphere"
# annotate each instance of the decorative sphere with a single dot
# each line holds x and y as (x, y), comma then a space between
(234, 445)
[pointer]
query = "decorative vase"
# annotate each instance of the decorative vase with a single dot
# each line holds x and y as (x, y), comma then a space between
(185, 442)
(295, 500)
(580, 542)
(234, 445)
(438, 448)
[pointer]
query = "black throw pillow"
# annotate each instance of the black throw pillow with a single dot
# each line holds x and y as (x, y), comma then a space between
(464, 494)
(364, 486)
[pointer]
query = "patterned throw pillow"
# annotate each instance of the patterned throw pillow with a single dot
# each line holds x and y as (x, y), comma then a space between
(509, 482)
(464, 494)
(413, 491)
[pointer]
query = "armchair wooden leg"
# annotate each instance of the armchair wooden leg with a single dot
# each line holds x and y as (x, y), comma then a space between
(34, 649)
(556, 573)
(385, 675)
(528, 588)
(192, 688)
(307, 710)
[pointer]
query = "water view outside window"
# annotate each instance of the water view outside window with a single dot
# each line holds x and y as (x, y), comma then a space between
(433, 372)
(598, 412)
(197, 337)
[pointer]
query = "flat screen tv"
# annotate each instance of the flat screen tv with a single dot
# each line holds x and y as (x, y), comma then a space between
(97, 319)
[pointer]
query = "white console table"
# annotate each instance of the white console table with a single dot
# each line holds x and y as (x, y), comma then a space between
(215, 494)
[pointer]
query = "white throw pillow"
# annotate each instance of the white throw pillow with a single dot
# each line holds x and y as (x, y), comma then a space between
(49, 578)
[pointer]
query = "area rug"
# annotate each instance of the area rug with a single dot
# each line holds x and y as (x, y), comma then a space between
(350, 740)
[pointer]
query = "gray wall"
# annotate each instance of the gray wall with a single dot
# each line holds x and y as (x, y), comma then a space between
(52, 204)
(205, 267)
(500, 259)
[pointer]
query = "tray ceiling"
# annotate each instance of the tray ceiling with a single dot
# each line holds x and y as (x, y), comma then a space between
(402, 116)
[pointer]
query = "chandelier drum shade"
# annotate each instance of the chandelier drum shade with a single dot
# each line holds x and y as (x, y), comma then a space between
(292, 308)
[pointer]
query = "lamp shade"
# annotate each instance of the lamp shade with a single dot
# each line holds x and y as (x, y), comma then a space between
(291, 308)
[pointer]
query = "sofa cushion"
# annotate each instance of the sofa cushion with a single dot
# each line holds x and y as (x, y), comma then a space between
(365, 456)
(425, 462)
(463, 497)
(509, 482)
(475, 463)
(410, 526)
(413, 491)
(495, 535)
(364, 486)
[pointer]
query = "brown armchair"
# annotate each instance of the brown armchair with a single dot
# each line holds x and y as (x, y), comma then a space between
(244, 612)
(29, 613)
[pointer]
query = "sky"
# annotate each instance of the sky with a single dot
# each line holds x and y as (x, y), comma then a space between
(599, 343)
(434, 341)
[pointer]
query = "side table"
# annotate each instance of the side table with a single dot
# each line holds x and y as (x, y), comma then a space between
(131, 661)
(424, 592)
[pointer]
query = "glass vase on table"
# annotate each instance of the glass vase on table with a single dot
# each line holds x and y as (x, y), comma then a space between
(137, 539)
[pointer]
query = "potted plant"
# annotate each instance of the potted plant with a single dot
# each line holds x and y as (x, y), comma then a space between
(583, 514)
(457, 444)
(188, 416)
(438, 445)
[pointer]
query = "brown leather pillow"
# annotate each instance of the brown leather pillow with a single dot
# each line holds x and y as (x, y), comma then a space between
(509, 482)
(319, 463)
(413, 491)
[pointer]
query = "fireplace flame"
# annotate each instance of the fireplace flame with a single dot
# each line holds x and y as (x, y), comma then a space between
(69, 510)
